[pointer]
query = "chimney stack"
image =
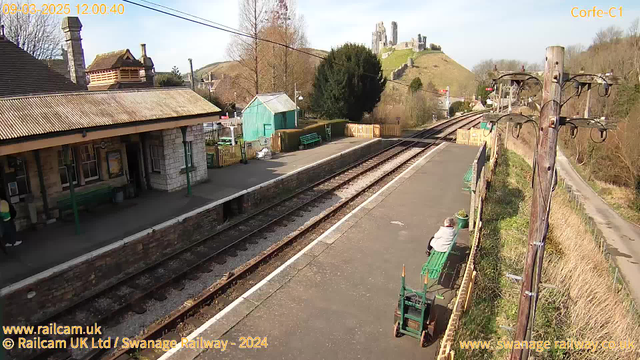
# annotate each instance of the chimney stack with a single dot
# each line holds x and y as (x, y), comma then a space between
(149, 70)
(71, 27)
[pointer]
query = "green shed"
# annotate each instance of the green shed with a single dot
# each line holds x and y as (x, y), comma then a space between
(267, 113)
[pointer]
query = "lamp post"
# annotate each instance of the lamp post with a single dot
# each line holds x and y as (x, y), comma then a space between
(296, 97)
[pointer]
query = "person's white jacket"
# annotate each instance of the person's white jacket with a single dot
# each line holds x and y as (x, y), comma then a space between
(443, 238)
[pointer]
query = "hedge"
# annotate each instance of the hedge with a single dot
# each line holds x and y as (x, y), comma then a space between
(291, 137)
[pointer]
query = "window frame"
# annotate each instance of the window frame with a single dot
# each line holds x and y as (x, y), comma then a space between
(25, 177)
(91, 148)
(158, 151)
(189, 150)
(66, 169)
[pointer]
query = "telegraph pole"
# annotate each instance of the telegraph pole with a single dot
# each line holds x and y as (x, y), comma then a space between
(543, 175)
(192, 79)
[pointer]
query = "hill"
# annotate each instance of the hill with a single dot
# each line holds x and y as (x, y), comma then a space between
(232, 68)
(435, 67)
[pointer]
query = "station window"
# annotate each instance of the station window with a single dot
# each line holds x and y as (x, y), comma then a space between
(20, 185)
(22, 178)
(64, 172)
(89, 162)
(156, 158)
(189, 154)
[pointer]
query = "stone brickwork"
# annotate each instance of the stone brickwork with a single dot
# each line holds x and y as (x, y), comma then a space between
(397, 73)
(60, 288)
(71, 27)
(51, 175)
(379, 38)
(174, 157)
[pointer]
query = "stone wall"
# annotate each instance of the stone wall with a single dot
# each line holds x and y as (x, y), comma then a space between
(174, 157)
(171, 175)
(397, 73)
(69, 283)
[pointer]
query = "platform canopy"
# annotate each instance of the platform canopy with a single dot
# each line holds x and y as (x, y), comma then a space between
(82, 116)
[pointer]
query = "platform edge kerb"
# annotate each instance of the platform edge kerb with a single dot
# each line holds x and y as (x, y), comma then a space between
(121, 243)
(384, 192)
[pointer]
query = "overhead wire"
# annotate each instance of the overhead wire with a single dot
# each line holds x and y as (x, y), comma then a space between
(225, 28)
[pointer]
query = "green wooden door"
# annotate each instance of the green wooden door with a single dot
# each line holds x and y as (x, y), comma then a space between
(268, 130)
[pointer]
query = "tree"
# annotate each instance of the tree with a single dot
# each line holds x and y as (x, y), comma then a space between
(283, 67)
(416, 84)
(174, 78)
(610, 34)
(482, 92)
(38, 34)
(246, 50)
(348, 83)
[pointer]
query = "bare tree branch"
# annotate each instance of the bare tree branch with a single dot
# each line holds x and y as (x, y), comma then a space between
(38, 34)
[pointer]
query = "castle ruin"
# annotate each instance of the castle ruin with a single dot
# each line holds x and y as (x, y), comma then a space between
(379, 40)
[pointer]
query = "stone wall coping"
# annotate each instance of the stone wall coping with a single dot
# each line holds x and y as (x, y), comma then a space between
(121, 243)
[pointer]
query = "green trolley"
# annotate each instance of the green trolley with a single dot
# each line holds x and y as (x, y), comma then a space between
(414, 315)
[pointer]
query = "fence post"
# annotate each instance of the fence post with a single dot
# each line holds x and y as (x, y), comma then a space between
(474, 187)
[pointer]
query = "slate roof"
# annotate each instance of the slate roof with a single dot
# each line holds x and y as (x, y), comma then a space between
(58, 65)
(32, 115)
(114, 60)
(21, 73)
(275, 102)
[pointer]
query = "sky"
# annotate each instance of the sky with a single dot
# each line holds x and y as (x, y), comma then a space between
(469, 31)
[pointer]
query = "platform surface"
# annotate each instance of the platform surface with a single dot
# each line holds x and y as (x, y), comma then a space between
(58, 243)
(336, 301)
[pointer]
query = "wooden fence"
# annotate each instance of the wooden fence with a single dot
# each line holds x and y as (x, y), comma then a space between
(225, 155)
(475, 137)
(371, 131)
(462, 301)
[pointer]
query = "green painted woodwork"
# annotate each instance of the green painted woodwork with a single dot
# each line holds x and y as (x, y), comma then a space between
(91, 197)
(310, 139)
(436, 261)
(258, 121)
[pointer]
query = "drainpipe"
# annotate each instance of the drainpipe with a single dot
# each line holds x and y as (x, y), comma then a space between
(43, 188)
(186, 161)
(67, 161)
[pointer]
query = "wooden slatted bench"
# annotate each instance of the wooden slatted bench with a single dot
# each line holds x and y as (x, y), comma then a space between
(437, 259)
(310, 139)
(89, 198)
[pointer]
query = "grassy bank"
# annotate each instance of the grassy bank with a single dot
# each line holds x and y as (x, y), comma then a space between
(621, 199)
(579, 304)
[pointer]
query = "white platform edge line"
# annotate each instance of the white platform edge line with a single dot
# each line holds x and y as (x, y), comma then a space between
(256, 287)
(65, 265)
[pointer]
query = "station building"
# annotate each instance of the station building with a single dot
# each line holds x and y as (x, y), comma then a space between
(55, 136)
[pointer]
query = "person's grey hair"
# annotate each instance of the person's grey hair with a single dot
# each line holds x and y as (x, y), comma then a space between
(449, 221)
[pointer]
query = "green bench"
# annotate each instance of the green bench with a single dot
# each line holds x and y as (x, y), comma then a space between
(309, 139)
(88, 198)
(467, 179)
(436, 261)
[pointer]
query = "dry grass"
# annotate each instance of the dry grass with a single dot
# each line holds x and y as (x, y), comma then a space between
(582, 306)
(595, 311)
(619, 198)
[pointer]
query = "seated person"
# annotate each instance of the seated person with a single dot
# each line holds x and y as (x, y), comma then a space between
(443, 238)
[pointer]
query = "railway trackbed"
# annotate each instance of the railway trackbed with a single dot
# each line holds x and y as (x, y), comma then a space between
(176, 295)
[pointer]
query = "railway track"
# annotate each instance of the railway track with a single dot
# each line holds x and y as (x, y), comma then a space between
(154, 282)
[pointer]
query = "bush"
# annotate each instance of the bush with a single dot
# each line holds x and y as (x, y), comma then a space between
(459, 106)
(416, 84)
(291, 137)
